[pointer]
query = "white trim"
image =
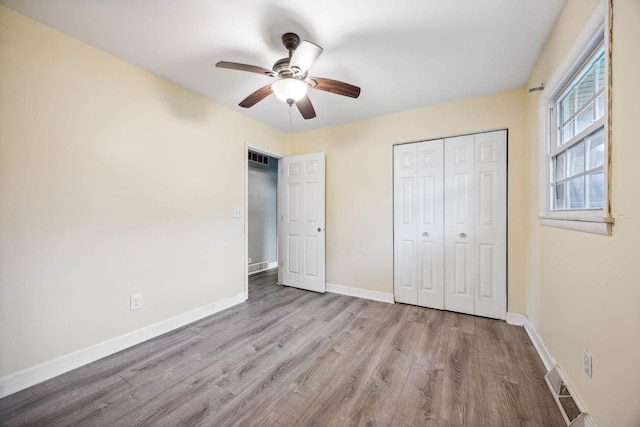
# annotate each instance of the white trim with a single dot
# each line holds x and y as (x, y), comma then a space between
(360, 293)
(516, 319)
(45, 371)
(588, 422)
(587, 226)
(544, 354)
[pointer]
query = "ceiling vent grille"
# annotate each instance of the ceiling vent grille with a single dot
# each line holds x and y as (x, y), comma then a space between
(258, 158)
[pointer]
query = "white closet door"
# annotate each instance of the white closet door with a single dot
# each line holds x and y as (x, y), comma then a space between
(459, 223)
(430, 224)
(490, 262)
(450, 224)
(405, 234)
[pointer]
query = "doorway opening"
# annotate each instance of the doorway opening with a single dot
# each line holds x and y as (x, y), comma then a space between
(300, 219)
(261, 220)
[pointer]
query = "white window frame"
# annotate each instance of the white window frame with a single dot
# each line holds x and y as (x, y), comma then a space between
(598, 221)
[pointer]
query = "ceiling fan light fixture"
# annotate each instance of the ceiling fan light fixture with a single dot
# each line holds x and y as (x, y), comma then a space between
(291, 73)
(289, 90)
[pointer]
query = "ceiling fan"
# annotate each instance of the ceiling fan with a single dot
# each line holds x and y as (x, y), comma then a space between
(292, 77)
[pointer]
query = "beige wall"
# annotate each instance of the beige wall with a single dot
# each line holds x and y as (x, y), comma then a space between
(583, 290)
(110, 184)
(359, 184)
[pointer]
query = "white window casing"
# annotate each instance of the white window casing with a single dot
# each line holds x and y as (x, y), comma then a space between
(592, 219)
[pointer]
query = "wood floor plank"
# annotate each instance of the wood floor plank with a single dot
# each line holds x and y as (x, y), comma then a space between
(83, 403)
(530, 371)
(425, 382)
(341, 394)
(242, 373)
(288, 357)
(459, 407)
(286, 410)
(145, 401)
(256, 399)
(388, 379)
(156, 366)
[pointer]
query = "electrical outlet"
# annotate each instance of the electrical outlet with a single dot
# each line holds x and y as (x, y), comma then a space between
(237, 212)
(248, 260)
(587, 363)
(136, 301)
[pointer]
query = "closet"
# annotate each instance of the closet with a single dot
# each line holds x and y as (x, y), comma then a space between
(450, 223)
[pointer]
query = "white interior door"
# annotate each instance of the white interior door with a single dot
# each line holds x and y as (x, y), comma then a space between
(405, 230)
(459, 223)
(491, 224)
(302, 215)
(430, 199)
(418, 224)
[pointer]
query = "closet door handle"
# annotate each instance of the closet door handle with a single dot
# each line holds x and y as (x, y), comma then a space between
(463, 235)
(425, 234)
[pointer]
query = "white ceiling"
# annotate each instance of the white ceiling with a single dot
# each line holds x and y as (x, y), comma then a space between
(402, 53)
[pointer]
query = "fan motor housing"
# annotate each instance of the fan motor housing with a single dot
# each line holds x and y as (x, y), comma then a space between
(281, 67)
(290, 41)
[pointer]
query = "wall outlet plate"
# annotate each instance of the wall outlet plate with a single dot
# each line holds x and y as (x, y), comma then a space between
(135, 301)
(587, 363)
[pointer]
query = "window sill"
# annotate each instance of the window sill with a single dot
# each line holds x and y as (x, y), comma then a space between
(595, 225)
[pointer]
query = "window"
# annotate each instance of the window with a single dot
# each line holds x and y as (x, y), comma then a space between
(574, 155)
(576, 152)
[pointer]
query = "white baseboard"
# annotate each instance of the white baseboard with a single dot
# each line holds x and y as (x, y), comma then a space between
(360, 293)
(544, 354)
(517, 319)
(37, 374)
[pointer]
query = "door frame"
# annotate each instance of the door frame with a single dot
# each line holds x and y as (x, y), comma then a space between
(279, 156)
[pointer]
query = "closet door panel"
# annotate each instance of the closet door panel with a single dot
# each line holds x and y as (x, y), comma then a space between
(405, 227)
(430, 224)
(491, 224)
(459, 187)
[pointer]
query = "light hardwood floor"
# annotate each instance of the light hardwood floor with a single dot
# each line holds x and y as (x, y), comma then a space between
(288, 357)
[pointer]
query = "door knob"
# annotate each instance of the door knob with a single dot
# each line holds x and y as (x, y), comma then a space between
(463, 235)
(319, 229)
(425, 234)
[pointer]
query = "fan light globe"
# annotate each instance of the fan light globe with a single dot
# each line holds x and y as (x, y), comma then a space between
(289, 90)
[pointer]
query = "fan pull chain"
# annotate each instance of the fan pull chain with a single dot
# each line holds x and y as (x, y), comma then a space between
(290, 105)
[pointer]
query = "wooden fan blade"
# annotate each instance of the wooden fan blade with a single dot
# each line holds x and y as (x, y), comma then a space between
(256, 97)
(335, 86)
(245, 67)
(306, 108)
(304, 56)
